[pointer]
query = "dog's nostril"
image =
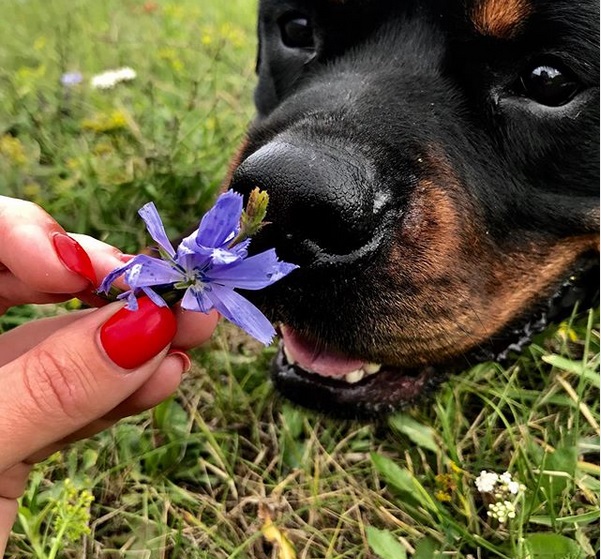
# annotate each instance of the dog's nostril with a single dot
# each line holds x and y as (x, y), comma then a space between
(318, 194)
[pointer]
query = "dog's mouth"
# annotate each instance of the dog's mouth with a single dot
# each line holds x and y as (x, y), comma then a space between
(316, 375)
(325, 379)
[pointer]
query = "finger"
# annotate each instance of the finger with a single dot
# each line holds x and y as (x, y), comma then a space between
(159, 387)
(105, 257)
(20, 340)
(36, 250)
(39, 263)
(163, 382)
(14, 292)
(8, 513)
(14, 480)
(194, 328)
(79, 374)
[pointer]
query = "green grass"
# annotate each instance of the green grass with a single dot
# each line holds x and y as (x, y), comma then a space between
(201, 475)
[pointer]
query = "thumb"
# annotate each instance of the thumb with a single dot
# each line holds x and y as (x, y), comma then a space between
(78, 374)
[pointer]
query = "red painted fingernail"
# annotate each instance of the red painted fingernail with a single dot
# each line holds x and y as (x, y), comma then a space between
(73, 256)
(183, 356)
(131, 338)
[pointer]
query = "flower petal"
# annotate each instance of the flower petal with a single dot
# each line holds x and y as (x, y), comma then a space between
(150, 215)
(132, 300)
(222, 222)
(255, 272)
(154, 297)
(196, 300)
(148, 271)
(110, 278)
(241, 312)
(202, 258)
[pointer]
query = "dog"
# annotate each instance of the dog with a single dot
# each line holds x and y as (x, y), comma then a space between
(433, 168)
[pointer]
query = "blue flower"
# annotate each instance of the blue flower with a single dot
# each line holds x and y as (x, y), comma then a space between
(206, 266)
(71, 78)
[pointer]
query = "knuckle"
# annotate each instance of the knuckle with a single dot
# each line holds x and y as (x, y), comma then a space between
(25, 211)
(56, 383)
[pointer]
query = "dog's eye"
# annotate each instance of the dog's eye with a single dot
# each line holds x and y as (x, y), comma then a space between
(549, 85)
(297, 32)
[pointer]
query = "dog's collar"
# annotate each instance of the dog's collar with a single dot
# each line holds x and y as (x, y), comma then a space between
(580, 287)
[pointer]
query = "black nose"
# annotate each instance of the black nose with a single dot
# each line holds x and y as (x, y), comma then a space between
(321, 198)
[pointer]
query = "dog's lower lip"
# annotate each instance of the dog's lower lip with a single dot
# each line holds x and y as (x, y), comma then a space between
(373, 394)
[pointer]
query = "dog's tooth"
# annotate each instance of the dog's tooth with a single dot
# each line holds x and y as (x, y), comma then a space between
(289, 358)
(354, 376)
(371, 368)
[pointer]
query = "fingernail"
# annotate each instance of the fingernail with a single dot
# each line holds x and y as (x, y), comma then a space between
(131, 338)
(73, 256)
(187, 363)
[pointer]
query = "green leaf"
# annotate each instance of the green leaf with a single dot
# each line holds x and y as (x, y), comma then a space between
(89, 459)
(552, 546)
(384, 544)
(404, 481)
(584, 518)
(171, 418)
(574, 367)
(559, 470)
(426, 548)
(292, 443)
(421, 435)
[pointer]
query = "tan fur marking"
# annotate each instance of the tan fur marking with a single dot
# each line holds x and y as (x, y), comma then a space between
(484, 286)
(500, 18)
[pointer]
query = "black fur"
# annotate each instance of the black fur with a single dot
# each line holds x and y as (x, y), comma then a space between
(389, 96)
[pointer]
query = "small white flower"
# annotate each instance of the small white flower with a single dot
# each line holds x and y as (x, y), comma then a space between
(513, 487)
(106, 80)
(505, 478)
(110, 78)
(486, 481)
(502, 511)
(509, 485)
(126, 74)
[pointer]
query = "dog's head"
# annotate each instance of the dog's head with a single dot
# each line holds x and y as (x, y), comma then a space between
(433, 167)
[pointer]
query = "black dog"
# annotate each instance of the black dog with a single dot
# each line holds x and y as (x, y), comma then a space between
(433, 167)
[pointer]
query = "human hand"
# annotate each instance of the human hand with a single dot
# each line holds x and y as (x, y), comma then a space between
(71, 376)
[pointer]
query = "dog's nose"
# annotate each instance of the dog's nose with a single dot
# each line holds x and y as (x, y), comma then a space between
(322, 196)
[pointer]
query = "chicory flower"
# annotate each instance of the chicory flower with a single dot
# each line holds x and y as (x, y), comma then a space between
(70, 79)
(209, 265)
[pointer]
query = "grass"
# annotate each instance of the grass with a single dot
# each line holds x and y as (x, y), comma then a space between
(226, 469)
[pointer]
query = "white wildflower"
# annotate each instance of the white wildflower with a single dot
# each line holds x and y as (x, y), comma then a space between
(486, 481)
(514, 487)
(502, 511)
(509, 485)
(505, 478)
(110, 78)
(106, 80)
(503, 491)
(126, 74)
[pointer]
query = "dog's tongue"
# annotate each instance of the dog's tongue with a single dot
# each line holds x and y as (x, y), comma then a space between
(323, 362)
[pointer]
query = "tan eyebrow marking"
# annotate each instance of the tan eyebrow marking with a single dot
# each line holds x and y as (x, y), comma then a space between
(500, 18)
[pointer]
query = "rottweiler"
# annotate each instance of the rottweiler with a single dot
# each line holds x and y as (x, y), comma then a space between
(433, 168)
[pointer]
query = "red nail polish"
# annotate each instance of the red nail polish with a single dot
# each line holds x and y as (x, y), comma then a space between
(131, 338)
(186, 361)
(74, 257)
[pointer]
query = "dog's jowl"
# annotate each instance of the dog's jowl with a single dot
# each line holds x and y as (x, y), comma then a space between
(433, 167)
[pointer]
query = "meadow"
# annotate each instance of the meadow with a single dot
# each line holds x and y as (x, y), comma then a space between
(225, 468)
